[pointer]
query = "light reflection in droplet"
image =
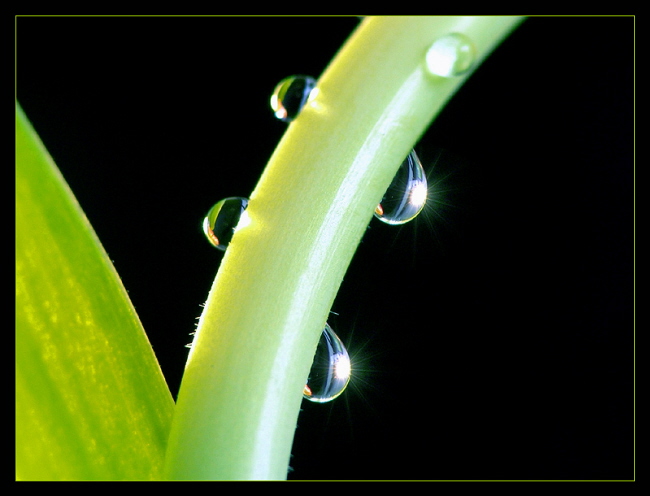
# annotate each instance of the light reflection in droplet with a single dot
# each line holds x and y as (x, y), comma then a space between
(407, 194)
(450, 56)
(223, 219)
(290, 96)
(331, 370)
(418, 195)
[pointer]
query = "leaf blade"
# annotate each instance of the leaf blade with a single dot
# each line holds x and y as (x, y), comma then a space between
(91, 400)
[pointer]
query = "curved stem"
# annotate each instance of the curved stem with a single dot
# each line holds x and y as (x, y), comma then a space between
(241, 392)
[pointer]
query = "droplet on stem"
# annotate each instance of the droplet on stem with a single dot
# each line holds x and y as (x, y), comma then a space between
(407, 194)
(452, 55)
(223, 219)
(330, 372)
(291, 95)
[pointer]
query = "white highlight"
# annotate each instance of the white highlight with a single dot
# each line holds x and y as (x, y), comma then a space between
(342, 367)
(244, 221)
(418, 195)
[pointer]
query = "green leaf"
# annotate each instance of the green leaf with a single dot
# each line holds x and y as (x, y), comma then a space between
(91, 400)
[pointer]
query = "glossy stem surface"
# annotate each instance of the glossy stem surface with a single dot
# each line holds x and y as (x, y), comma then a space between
(243, 384)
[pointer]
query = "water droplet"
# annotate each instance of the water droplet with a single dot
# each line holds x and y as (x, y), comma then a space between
(451, 55)
(407, 194)
(290, 96)
(330, 372)
(223, 219)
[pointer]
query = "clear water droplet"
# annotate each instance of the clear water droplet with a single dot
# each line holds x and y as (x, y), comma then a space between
(223, 219)
(407, 194)
(291, 95)
(451, 55)
(330, 372)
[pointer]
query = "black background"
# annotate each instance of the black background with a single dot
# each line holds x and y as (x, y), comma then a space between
(491, 338)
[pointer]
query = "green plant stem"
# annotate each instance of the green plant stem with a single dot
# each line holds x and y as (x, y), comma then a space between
(242, 388)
